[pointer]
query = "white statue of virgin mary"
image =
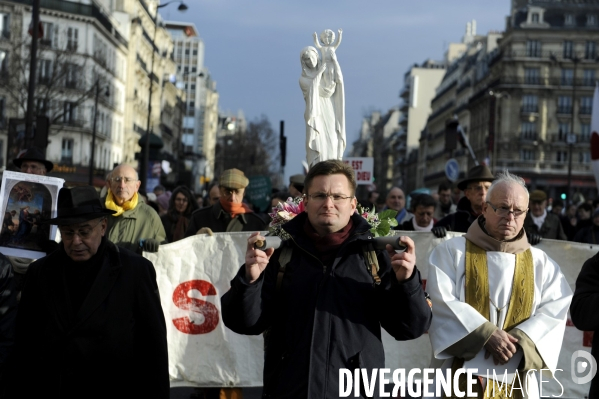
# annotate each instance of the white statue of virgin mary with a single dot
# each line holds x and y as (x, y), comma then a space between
(325, 108)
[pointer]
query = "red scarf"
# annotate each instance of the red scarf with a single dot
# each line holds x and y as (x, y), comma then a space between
(234, 208)
(328, 245)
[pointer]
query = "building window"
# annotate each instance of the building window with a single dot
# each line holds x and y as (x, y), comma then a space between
(533, 48)
(70, 113)
(591, 20)
(562, 156)
(49, 34)
(567, 76)
(590, 50)
(4, 26)
(3, 63)
(535, 17)
(66, 155)
(532, 76)
(71, 76)
(72, 39)
(529, 103)
(588, 77)
(194, 69)
(586, 105)
(585, 132)
(185, 69)
(187, 51)
(569, 19)
(564, 105)
(2, 113)
(527, 155)
(195, 52)
(193, 87)
(529, 130)
(568, 49)
(45, 71)
(564, 131)
(584, 157)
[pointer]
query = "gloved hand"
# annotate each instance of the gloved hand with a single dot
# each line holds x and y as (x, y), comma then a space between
(205, 230)
(439, 231)
(534, 238)
(150, 245)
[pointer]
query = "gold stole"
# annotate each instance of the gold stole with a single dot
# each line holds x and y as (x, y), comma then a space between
(477, 296)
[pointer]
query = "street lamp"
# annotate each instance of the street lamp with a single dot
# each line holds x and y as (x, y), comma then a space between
(571, 138)
(93, 148)
(497, 95)
(146, 158)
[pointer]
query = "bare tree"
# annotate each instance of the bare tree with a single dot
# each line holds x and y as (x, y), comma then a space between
(62, 82)
(255, 151)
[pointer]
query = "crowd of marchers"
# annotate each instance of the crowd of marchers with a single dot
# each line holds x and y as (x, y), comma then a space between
(85, 320)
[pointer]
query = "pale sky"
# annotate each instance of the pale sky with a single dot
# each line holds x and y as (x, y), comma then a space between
(253, 47)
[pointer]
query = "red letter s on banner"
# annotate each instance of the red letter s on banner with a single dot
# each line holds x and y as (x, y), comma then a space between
(183, 301)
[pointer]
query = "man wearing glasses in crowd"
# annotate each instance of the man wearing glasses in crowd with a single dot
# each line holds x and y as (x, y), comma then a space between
(325, 310)
(90, 323)
(494, 296)
(475, 187)
(135, 225)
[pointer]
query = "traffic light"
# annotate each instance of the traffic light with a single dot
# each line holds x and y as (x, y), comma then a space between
(563, 196)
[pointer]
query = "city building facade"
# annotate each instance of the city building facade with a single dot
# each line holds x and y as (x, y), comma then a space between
(527, 103)
(80, 79)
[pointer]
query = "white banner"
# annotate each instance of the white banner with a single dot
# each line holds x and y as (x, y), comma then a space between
(193, 274)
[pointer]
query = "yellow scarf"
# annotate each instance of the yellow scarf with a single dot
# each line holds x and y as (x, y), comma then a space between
(112, 205)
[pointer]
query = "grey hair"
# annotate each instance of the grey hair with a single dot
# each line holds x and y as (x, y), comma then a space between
(507, 178)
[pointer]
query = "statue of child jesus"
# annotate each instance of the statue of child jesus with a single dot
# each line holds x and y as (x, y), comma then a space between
(332, 73)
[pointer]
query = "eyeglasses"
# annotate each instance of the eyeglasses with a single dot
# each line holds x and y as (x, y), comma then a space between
(480, 187)
(127, 180)
(322, 197)
(504, 212)
(82, 233)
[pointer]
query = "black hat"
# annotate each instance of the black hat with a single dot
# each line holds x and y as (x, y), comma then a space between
(77, 205)
(477, 173)
(32, 154)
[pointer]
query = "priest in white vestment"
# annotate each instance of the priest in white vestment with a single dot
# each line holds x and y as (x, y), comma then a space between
(497, 297)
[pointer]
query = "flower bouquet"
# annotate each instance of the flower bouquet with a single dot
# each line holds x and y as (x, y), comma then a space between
(282, 213)
(381, 222)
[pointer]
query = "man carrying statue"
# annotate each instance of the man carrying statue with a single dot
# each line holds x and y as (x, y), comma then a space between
(497, 297)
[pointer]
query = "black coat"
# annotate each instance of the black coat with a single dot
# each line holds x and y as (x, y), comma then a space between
(583, 309)
(324, 317)
(113, 347)
(461, 220)
(551, 228)
(220, 221)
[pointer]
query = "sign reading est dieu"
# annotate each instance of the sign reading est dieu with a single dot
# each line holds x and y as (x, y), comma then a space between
(363, 167)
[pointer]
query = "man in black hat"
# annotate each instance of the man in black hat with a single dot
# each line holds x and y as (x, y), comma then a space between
(33, 161)
(475, 187)
(296, 185)
(90, 321)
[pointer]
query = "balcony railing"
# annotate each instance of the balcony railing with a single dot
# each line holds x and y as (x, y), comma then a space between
(528, 136)
(529, 108)
(585, 110)
(72, 122)
(564, 109)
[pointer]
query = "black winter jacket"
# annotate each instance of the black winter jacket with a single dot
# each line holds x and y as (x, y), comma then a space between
(113, 347)
(460, 220)
(583, 309)
(324, 317)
